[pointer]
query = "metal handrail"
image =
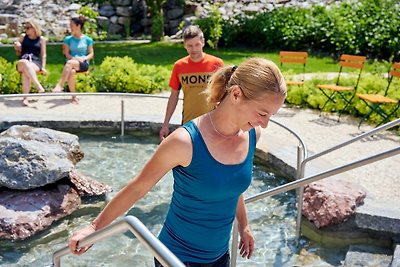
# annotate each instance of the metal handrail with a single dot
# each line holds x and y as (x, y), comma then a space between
(326, 174)
(305, 181)
(301, 154)
(361, 136)
(302, 159)
(85, 94)
(157, 248)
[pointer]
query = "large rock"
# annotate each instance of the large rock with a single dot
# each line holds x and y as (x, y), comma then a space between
(68, 142)
(24, 213)
(331, 202)
(87, 186)
(40, 163)
(33, 157)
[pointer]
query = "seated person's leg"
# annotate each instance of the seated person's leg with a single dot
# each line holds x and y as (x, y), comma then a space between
(71, 64)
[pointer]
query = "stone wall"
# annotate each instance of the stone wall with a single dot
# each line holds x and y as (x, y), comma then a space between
(124, 17)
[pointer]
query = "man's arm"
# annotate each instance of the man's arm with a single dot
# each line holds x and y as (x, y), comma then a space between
(171, 106)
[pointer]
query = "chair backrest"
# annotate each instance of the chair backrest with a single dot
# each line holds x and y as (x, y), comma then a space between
(351, 61)
(394, 72)
(295, 57)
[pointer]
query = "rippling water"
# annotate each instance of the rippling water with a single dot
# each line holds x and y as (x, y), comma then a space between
(114, 160)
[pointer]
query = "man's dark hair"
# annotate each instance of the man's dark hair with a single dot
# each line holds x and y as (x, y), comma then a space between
(191, 32)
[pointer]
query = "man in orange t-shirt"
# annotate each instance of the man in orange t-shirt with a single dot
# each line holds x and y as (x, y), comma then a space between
(190, 74)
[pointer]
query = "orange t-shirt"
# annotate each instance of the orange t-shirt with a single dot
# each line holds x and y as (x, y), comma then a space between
(192, 78)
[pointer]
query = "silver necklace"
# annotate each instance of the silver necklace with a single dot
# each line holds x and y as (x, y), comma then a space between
(221, 134)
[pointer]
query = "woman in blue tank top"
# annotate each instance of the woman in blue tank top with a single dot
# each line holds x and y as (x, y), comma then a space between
(211, 158)
(31, 49)
(78, 50)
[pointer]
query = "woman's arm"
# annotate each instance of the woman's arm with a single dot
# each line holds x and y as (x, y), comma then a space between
(18, 46)
(173, 151)
(66, 51)
(246, 244)
(43, 51)
(90, 56)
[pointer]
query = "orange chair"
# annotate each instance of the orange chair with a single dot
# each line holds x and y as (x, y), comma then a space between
(346, 93)
(294, 57)
(375, 101)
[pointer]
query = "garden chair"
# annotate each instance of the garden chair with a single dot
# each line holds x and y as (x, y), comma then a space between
(294, 57)
(376, 101)
(346, 93)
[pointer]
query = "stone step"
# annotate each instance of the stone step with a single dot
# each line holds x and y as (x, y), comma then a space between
(379, 216)
(367, 255)
(396, 257)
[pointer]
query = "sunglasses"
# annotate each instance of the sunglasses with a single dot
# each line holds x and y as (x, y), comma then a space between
(28, 27)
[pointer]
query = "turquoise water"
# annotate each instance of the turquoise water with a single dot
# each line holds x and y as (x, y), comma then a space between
(114, 160)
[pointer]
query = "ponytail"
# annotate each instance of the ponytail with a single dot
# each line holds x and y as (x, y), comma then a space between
(218, 84)
(79, 21)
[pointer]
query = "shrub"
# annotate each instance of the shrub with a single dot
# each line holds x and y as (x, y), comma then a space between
(368, 27)
(10, 81)
(211, 27)
(90, 27)
(122, 74)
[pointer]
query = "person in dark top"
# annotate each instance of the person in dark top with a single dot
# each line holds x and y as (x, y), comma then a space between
(31, 49)
(211, 158)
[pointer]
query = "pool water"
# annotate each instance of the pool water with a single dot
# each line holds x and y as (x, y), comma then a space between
(114, 160)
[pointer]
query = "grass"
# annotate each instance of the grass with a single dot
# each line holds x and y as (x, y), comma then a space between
(165, 54)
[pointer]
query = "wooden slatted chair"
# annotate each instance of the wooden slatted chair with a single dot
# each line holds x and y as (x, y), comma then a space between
(344, 92)
(294, 57)
(376, 101)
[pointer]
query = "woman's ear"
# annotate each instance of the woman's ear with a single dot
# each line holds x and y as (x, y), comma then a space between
(236, 92)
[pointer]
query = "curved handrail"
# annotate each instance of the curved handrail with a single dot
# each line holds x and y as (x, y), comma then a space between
(307, 180)
(304, 181)
(158, 249)
(302, 153)
(302, 143)
(359, 137)
(85, 94)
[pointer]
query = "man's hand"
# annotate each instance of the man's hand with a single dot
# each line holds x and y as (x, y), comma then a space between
(164, 132)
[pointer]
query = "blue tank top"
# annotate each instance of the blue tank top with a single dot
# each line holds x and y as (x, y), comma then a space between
(203, 205)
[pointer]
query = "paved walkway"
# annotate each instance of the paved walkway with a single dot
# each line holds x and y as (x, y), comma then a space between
(380, 179)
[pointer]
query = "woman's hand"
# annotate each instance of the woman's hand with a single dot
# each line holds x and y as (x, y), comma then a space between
(73, 242)
(246, 244)
(18, 48)
(43, 71)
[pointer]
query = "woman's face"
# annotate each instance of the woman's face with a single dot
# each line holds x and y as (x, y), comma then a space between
(74, 27)
(29, 28)
(253, 113)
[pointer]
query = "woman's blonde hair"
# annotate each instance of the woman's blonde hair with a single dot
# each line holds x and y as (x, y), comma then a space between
(35, 26)
(255, 77)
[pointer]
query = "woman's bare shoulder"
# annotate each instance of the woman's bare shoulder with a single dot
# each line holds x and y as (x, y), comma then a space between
(179, 146)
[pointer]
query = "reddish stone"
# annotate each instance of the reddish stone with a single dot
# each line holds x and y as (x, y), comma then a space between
(331, 202)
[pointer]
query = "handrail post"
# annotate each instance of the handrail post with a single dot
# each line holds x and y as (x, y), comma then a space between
(234, 248)
(300, 190)
(156, 247)
(122, 118)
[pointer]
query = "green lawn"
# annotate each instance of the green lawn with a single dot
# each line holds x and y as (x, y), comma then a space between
(165, 54)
